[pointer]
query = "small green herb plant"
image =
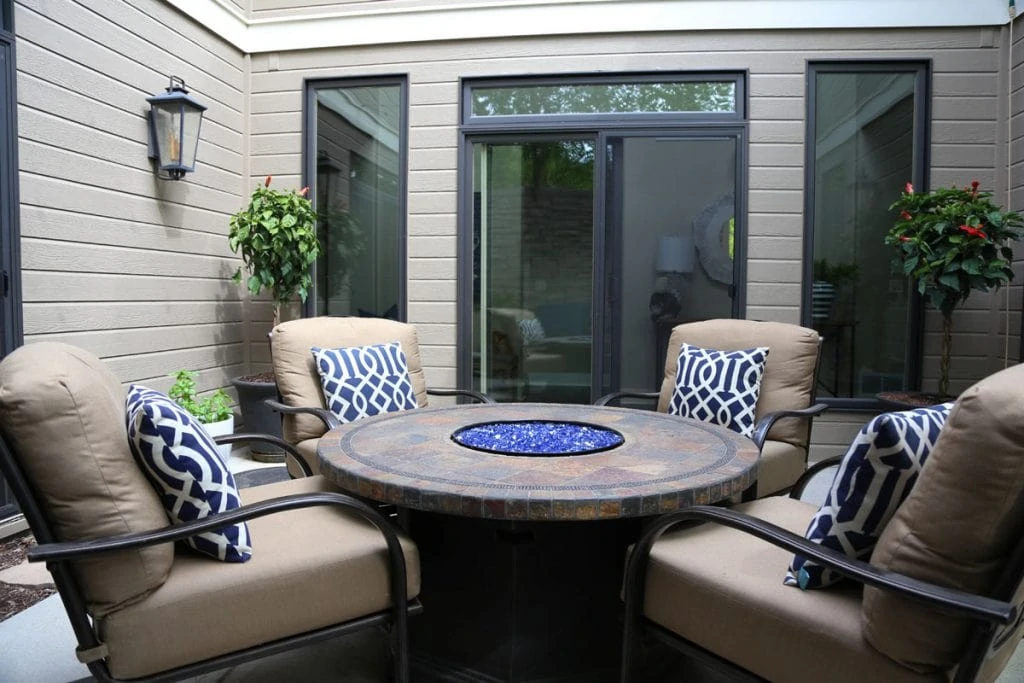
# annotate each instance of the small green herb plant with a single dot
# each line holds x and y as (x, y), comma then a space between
(212, 408)
(276, 236)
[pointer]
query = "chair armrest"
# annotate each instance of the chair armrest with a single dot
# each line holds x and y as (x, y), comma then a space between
(326, 416)
(608, 398)
(949, 600)
(765, 424)
(798, 487)
(289, 449)
(475, 395)
(75, 550)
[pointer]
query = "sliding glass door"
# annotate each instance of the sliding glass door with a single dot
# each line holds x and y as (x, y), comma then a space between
(671, 245)
(533, 268)
(566, 242)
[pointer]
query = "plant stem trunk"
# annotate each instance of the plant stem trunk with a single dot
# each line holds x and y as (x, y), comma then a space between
(947, 344)
(277, 315)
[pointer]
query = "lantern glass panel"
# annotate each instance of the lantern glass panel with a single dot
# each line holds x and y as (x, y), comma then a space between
(190, 133)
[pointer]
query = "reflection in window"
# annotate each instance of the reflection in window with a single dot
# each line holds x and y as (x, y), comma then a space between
(866, 146)
(605, 98)
(358, 186)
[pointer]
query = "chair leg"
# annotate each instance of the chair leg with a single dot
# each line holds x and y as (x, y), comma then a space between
(399, 646)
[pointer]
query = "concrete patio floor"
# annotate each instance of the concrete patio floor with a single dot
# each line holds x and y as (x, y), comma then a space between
(39, 647)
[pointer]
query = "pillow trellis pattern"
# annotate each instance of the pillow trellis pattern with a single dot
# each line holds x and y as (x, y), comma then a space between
(361, 381)
(719, 386)
(874, 477)
(531, 330)
(182, 462)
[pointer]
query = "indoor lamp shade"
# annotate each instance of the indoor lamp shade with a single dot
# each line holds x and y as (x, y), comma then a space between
(174, 129)
(675, 255)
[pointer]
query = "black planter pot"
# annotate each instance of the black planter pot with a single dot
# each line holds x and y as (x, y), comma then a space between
(258, 417)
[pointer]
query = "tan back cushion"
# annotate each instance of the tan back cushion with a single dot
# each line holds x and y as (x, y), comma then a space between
(788, 380)
(297, 378)
(957, 526)
(63, 414)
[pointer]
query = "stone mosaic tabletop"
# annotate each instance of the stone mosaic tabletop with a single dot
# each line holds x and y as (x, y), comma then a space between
(663, 463)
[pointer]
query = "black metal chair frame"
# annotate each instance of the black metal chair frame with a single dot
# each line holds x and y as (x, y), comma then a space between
(994, 618)
(59, 557)
(763, 426)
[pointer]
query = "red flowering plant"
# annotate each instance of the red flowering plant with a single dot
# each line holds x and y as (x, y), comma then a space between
(276, 235)
(952, 240)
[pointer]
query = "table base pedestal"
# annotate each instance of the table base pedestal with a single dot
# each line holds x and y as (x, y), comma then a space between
(518, 602)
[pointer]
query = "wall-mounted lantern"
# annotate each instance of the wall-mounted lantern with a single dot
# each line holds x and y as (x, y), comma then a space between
(174, 120)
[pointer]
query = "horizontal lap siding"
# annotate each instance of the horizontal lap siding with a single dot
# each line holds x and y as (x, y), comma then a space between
(132, 268)
(1016, 161)
(966, 65)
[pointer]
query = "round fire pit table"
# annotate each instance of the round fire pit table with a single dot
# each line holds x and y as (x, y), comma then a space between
(522, 528)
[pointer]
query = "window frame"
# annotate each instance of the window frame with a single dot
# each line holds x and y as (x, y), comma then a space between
(469, 123)
(922, 71)
(600, 126)
(309, 171)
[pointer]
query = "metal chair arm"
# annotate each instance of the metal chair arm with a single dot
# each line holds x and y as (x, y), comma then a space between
(244, 437)
(475, 395)
(326, 416)
(949, 600)
(614, 396)
(765, 424)
(798, 487)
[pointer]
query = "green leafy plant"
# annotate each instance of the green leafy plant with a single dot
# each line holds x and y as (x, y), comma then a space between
(276, 236)
(341, 241)
(212, 408)
(952, 241)
(836, 274)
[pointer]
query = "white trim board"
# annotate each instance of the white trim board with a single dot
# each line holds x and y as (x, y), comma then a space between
(365, 24)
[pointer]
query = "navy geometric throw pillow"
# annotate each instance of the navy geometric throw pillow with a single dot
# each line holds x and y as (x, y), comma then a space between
(874, 477)
(361, 381)
(181, 461)
(720, 387)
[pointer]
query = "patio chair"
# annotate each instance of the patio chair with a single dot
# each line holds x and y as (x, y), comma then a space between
(305, 414)
(144, 608)
(942, 598)
(785, 403)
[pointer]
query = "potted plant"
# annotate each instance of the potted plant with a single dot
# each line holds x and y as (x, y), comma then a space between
(276, 237)
(213, 411)
(952, 241)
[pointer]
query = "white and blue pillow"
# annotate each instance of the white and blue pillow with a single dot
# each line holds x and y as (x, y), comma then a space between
(362, 381)
(719, 386)
(875, 475)
(531, 330)
(181, 461)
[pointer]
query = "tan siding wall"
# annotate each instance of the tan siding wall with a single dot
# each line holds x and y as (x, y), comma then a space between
(966, 64)
(1016, 161)
(132, 268)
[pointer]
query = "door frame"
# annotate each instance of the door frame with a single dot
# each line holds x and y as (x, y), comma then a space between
(599, 131)
(614, 178)
(10, 235)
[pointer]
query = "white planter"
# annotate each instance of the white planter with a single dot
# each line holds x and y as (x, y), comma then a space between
(221, 428)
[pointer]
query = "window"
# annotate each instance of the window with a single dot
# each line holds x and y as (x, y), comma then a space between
(596, 213)
(357, 166)
(866, 138)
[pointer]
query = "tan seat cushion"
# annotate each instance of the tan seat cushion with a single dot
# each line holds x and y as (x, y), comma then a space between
(959, 523)
(788, 380)
(310, 568)
(296, 374)
(308, 450)
(781, 464)
(722, 590)
(63, 414)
